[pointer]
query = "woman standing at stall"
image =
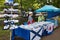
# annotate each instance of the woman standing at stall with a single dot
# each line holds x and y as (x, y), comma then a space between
(30, 19)
(41, 17)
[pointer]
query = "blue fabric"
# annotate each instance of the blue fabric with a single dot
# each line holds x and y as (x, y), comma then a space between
(53, 21)
(44, 33)
(51, 10)
(21, 33)
(49, 33)
(13, 34)
(25, 23)
(24, 33)
(50, 20)
(52, 14)
(47, 8)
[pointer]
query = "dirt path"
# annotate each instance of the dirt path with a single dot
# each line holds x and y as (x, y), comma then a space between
(54, 36)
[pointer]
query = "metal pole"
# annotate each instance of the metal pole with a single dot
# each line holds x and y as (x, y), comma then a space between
(11, 12)
(21, 6)
(11, 19)
(10, 35)
(10, 24)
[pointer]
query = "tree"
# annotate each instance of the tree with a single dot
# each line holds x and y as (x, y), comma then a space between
(35, 4)
(56, 3)
(1, 4)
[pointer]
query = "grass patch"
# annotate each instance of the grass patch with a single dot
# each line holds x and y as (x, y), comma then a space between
(4, 34)
(2, 19)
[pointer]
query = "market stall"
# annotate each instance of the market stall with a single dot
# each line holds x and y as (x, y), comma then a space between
(52, 13)
(33, 31)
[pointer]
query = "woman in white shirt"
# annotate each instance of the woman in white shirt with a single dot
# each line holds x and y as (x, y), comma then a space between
(30, 19)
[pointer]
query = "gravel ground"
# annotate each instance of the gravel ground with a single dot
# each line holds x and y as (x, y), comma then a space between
(54, 36)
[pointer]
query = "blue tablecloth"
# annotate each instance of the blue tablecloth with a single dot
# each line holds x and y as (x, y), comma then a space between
(21, 33)
(24, 33)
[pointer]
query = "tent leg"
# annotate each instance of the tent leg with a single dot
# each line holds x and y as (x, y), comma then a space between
(10, 35)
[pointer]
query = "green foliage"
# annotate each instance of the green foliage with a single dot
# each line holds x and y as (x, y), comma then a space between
(56, 3)
(1, 4)
(35, 4)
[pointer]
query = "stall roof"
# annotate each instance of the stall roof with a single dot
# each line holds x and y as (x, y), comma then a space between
(47, 8)
(51, 10)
